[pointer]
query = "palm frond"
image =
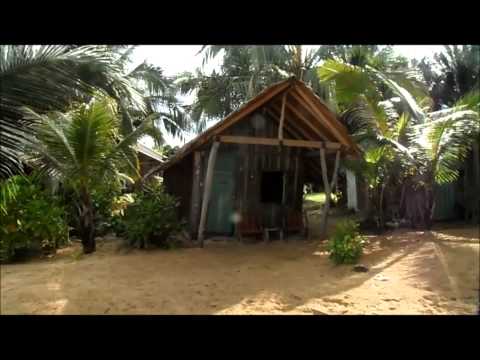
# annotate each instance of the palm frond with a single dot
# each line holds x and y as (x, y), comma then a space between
(446, 141)
(48, 78)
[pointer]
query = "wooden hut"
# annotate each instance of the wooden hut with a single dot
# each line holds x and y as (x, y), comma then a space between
(255, 161)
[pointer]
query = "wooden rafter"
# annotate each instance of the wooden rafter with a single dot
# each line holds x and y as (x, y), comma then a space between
(293, 130)
(323, 131)
(305, 122)
(317, 115)
(316, 107)
(282, 116)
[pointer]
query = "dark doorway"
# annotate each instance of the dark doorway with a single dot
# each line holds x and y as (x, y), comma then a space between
(272, 187)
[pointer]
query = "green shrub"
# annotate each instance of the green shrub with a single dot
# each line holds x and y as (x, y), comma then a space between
(104, 199)
(152, 218)
(346, 244)
(32, 220)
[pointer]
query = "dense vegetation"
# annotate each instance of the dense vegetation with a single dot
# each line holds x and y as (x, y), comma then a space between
(152, 218)
(74, 114)
(33, 220)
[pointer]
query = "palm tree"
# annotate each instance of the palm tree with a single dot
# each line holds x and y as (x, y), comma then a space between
(47, 78)
(378, 110)
(83, 148)
(402, 142)
(159, 97)
(245, 71)
(441, 145)
(453, 73)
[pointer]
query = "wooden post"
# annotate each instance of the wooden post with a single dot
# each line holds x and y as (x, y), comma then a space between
(195, 204)
(333, 184)
(282, 117)
(327, 187)
(352, 191)
(207, 190)
(295, 181)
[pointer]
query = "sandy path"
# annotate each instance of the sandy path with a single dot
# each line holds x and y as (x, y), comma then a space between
(410, 273)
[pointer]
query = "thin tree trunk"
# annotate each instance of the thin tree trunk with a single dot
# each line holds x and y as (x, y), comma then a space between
(87, 222)
(380, 208)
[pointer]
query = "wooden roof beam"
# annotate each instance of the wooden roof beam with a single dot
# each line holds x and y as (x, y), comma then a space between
(308, 103)
(251, 140)
(295, 131)
(304, 121)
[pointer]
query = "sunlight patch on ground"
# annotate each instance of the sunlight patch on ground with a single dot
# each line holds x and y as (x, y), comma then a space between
(57, 306)
(53, 286)
(450, 237)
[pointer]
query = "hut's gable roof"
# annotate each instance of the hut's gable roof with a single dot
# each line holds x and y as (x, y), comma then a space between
(306, 117)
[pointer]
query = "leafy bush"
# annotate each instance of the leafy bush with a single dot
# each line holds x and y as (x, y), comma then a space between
(32, 220)
(108, 202)
(346, 244)
(152, 218)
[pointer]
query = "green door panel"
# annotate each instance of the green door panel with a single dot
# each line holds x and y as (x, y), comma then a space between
(221, 207)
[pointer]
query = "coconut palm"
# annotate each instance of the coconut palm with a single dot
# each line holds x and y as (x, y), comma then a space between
(441, 145)
(418, 150)
(378, 112)
(83, 148)
(244, 72)
(452, 74)
(158, 93)
(47, 78)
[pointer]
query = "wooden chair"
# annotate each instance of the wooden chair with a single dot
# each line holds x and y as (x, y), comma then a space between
(296, 222)
(248, 226)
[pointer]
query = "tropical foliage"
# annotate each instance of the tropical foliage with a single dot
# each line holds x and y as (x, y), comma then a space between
(50, 78)
(451, 74)
(403, 144)
(83, 149)
(346, 244)
(32, 220)
(244, 72)
(74, 113)
(47, 78)
(152, 218)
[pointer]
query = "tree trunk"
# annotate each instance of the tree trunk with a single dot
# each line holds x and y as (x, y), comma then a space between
(381, 219)
(430, 207)
(87, 222)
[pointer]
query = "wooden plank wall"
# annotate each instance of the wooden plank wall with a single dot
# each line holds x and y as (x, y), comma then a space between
(253, 159)
(184, 182)
(178, 182)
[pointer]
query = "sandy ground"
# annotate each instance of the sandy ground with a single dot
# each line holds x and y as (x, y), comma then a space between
(410, 273)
